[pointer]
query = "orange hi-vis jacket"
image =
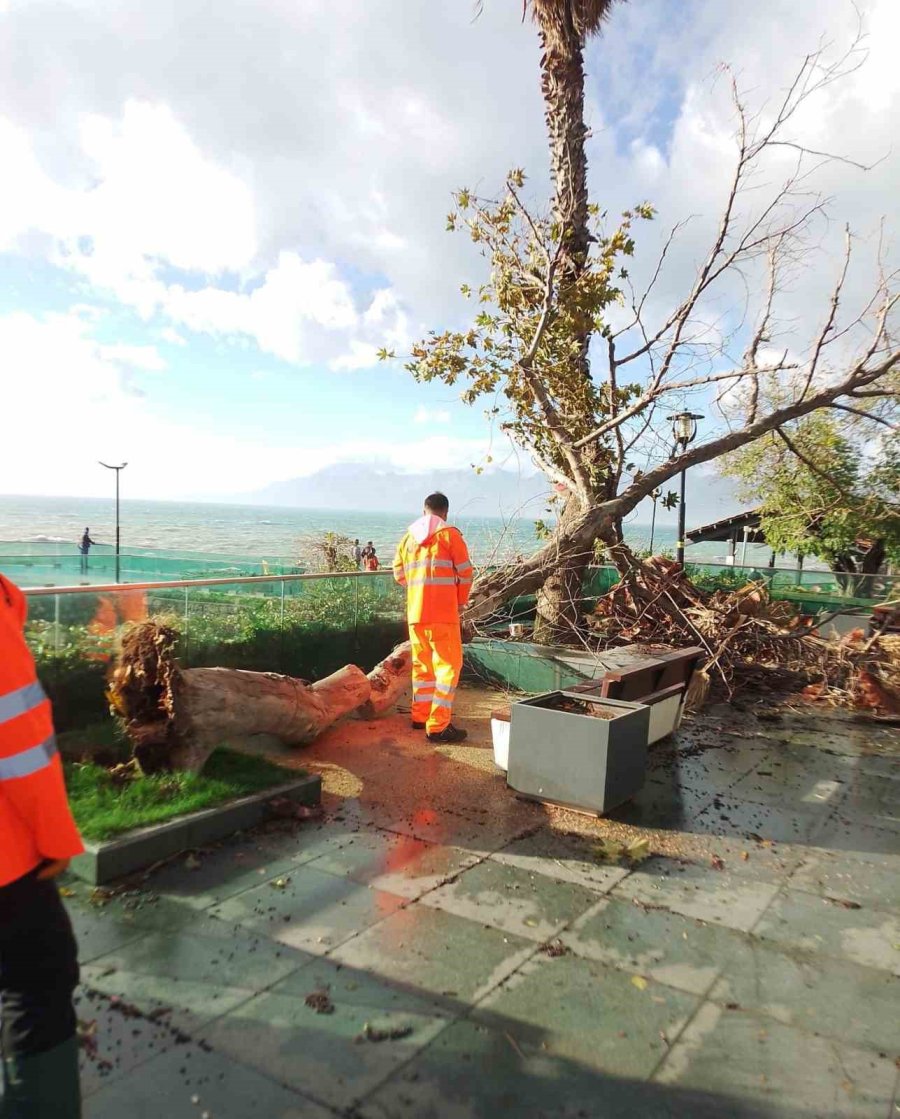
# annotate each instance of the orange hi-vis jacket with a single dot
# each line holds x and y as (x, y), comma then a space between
(432, 562)
(35, 821)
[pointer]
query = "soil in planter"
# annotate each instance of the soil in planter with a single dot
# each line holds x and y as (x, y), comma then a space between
(107, 801)
(578, 707)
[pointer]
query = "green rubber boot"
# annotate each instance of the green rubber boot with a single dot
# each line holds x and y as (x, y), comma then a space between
(42, 1086)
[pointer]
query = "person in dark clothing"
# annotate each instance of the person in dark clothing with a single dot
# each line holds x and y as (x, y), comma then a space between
(84, 548)
(38, 837)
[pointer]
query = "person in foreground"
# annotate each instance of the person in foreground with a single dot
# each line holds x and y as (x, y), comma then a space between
(432, 562)
(38, 953)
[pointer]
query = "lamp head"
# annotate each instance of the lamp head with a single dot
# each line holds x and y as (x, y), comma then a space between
(684, 426)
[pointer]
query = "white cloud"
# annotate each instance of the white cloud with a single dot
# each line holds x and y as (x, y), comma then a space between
(286, 189)
(431, 416)
(146, 358)
(72, 393)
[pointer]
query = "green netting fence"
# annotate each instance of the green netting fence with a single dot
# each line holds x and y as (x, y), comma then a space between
(308, 626)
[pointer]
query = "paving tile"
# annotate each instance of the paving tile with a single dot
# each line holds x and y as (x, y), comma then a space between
(663, 803)
(457, 827)
(569, 858)
(189, 1082)
(237, 958)
(183, 1004)
(137, 910)
(425, 871)
(313, 910)
(430, 950)
(777, 1071)
(583, 1011)
(874, 800)
(397, 863)
(477, 1071)
(693, 890)
(854, 1004)
(873, 880)
(814, 924)
(840, 833)
(513, 900)
(201, 880)
(328, 1055)
(98, 933)
(665, 946)
(123, 1036)
(771, 783)
(757, 859)
(728, 815)
(717, 767)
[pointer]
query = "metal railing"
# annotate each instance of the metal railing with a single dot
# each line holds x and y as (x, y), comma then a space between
(167, 584)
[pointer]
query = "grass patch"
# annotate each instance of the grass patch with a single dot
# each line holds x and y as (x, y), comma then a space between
(104, 806)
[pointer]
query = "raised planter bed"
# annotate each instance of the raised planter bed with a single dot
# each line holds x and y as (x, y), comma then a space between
(106, 860)
(578, 750)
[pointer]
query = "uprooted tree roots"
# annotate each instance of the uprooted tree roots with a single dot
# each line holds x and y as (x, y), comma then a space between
(750, 639)
(175, 717)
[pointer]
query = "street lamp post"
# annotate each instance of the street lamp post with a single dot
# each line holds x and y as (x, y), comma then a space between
(118, 469)
(684, 428)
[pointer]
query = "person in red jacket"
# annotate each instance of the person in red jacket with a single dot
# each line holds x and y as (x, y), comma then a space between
(38, 837)
(432, 562)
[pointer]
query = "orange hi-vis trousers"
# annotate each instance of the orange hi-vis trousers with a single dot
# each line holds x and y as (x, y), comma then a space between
(437, 658)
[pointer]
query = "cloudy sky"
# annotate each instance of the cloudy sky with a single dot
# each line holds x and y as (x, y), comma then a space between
(211, 216)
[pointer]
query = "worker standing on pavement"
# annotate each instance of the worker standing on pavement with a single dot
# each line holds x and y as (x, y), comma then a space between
(432, 562)
(38, 953)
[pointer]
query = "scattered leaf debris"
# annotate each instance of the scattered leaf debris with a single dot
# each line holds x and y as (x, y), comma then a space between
(392, 1033)
(320, 1002)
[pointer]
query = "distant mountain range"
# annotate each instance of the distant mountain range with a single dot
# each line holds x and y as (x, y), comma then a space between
(494, 493)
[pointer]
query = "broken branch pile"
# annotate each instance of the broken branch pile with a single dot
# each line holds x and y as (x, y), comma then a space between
(750, 638)
(175, 717)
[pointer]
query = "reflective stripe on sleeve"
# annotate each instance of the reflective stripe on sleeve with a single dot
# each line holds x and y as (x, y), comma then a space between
(438, 581)
(28, 761)
(21, 700)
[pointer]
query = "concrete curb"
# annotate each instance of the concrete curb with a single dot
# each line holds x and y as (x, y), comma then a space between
(109, 859)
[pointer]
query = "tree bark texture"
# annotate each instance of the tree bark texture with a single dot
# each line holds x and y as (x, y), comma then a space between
(558, 600)
(176, 717)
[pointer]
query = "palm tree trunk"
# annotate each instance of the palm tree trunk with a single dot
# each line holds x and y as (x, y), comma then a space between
(562, 87)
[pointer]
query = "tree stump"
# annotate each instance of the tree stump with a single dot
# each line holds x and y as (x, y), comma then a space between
(175, 717)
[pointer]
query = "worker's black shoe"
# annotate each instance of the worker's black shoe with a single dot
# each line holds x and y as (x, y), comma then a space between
(417, 726)
(449, 735)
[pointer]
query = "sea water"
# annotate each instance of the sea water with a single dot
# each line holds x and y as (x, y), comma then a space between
(266, 531)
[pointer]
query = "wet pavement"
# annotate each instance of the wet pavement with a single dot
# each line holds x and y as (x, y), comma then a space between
(435, 947)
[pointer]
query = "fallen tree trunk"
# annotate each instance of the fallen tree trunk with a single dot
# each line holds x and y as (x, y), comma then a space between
(176, 717)
(389, 680)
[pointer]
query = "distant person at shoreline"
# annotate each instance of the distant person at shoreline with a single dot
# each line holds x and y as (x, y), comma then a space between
(357, 555)
(369, 550)
(84, 548)
(370, 563)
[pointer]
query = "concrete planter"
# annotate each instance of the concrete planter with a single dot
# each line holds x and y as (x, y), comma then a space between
(666, 708)
(109, 859)
(578, 760)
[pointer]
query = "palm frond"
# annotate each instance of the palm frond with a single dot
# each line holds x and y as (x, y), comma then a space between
(557, 17)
